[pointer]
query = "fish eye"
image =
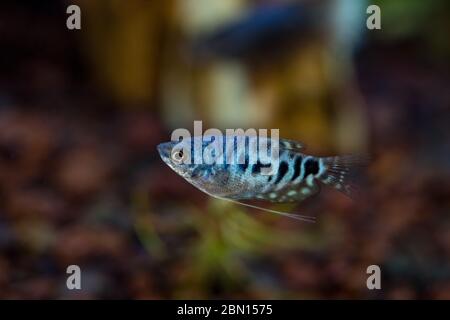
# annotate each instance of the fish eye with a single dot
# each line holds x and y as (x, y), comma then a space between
(177, 156)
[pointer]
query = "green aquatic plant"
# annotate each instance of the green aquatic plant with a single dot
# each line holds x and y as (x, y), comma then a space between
(225, 240)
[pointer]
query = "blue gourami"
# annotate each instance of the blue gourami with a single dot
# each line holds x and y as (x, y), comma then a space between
(295, 176)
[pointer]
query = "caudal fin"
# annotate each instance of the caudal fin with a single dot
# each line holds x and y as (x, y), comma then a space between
(341, 173)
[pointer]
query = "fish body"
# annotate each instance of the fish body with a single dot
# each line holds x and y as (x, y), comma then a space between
(295, 175)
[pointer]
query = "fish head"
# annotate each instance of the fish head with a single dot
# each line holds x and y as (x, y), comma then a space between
(179, 156)
(176, 157)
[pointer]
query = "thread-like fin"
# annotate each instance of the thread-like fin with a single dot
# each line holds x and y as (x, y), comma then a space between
(285, 214)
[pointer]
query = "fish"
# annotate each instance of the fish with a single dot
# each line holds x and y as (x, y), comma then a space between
(265, 29)
(295, 177)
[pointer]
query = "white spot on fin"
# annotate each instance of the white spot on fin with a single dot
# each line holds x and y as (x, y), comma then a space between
(305, 191)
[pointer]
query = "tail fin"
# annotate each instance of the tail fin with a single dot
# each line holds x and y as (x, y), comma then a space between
(341, 171)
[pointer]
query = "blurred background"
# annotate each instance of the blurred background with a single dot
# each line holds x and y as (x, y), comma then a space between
(81, 112)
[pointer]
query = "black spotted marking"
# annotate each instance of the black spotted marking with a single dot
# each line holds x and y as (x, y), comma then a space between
(243, 167)
(311, 167)
(297, 167)
(256, 168)
(282, 170)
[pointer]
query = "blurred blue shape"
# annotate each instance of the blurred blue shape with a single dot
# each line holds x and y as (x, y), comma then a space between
(264, 30)
(347, 24)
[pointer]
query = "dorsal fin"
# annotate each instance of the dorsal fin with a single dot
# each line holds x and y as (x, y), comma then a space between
(292, 145)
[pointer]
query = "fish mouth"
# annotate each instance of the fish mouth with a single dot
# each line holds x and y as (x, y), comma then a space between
(163, 150)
